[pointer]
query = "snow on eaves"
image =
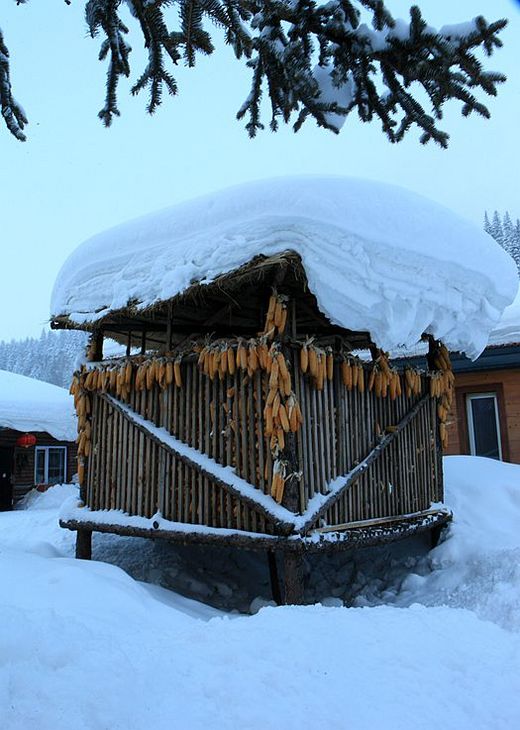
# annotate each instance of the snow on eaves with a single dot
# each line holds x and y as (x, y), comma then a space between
(28, 405)
(507, 331)
(377, 257)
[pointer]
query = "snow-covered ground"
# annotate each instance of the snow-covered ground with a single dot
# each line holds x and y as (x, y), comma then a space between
(429, 639)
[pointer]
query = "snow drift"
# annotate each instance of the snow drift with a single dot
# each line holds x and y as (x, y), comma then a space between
(377, 257)
(83, 640)
(27, 404)
(507, 331)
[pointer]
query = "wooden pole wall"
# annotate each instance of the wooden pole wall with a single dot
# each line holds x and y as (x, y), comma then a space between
(223, 418)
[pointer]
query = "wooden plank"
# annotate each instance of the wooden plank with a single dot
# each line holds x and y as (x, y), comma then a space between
(381, 521)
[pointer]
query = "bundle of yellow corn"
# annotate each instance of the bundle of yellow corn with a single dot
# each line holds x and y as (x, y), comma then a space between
(278, 480)
(413, 382)
(276, 318)
(161, 371)
(83, 382)
(383, 379)
(317, 367)
(353, 374)
(441, 387)
(282, 412)
(219, 358)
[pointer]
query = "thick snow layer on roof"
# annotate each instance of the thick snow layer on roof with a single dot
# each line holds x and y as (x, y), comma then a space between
(27, 404)
(507, 330)
(377, 257)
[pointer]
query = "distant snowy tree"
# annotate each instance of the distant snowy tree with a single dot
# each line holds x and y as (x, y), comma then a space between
(506, 233)
(51, 357)
(314, 59)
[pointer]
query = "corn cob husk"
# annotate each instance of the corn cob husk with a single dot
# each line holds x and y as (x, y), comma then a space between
(378, 385)
(346, 374)
(284, 421)
(354, 375)
(277, 318)
(231, 361)
(263, 352)
(268, 417)
(372, 379)
(177, 376)
(304, 359)
(276, 405)
(273, 377)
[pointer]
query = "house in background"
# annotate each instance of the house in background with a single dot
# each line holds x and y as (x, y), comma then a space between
(485, 416)
(37, 436)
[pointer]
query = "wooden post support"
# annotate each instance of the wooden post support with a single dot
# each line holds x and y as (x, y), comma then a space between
(84, 544)
(435, 535)
(274, 577)
(293, 575)
(95, 349)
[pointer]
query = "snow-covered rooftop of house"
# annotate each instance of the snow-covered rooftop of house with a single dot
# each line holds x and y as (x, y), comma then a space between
(27, 404)
(377, 257)
(507, 331)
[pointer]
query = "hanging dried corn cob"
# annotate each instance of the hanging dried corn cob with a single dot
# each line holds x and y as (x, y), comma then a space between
(346, 374)
(329, 363)
(278, 480)
(241, 355)
(276, 318)
(177, 376)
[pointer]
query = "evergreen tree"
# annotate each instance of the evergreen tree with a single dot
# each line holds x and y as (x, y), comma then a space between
(496, 229)
(318, 60)
(505, 233)
(487, 224)
(51, 357)
(509, 233)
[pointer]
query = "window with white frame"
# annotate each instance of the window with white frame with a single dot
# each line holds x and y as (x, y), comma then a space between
(50, 465)
(484, 425)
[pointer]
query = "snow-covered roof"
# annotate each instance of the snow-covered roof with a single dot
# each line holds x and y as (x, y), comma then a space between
(507, 331)
(27, 404)
(377, 258)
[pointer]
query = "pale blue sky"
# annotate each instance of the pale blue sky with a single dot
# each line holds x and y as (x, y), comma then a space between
(73, 178)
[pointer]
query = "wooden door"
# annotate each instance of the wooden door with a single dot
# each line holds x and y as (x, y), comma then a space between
(6, 486)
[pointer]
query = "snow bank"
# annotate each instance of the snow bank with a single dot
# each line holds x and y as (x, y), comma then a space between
(484, 495)
(378, 258)
(27, 404)
(83, 640)
(51, 498)
(477, 565)
(507, 330)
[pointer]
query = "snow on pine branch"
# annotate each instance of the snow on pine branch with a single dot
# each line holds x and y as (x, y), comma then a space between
(12, 112)
(318, 60)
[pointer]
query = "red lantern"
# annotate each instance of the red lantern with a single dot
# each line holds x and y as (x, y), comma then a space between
(25, 441)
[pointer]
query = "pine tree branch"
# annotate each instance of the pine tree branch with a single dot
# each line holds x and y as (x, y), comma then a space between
(12, 113)
(319, 61)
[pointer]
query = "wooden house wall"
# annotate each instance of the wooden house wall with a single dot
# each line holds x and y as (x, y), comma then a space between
(506, 384)
(22, 475)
